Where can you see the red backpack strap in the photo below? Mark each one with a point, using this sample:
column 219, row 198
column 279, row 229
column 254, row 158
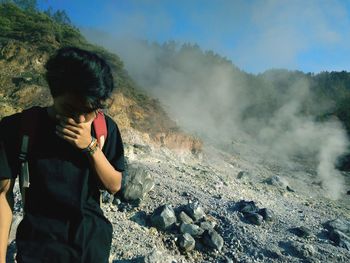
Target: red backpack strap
column 100, row 128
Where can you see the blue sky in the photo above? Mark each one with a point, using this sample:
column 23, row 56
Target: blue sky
column 255, row 35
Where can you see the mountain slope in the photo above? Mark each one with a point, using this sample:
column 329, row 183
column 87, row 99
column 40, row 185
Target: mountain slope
column 27, row 39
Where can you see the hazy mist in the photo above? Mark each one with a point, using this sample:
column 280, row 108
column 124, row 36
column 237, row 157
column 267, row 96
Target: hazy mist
column 211, row 100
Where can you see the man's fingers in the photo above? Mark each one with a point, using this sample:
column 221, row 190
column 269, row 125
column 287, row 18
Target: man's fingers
column 65, row 137
column 67, row 120
column 70, row 127
column 67, row 131
column 72, row 122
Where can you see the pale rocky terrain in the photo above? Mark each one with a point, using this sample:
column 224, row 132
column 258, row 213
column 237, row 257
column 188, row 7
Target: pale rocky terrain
column 210, row 178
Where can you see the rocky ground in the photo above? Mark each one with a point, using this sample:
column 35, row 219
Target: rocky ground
column 218, row 181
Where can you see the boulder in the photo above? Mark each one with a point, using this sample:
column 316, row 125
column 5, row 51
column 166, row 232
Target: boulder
column 184, row 218
column 213, row 240
column 277, row 181
column 254, row 218
column 107, row 198
column 267, row 214
column 339, row 232
column 137, row 182
column 243, row 174
column 207, row 225
column 340, row 239
column 163, row 217
column 186, row 242
column 247, row 207
column 156, row 256
column 301, row 231
column 341, row 225
column 195, row 211
column 191, row 229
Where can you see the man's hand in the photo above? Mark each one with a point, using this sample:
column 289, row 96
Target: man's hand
column 77, row 134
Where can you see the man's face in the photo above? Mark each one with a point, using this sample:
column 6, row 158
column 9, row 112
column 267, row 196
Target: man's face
column 73, row 106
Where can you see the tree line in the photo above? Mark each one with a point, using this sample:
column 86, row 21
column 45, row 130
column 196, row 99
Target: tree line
column 59, row 16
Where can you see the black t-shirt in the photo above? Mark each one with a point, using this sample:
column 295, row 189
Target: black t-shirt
column 63, row 221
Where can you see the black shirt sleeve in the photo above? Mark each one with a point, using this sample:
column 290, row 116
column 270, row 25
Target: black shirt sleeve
column 8, row 137
column 5, row 172
column 114, row 149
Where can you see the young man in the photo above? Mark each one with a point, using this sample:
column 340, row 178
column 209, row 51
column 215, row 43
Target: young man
column 63, row 221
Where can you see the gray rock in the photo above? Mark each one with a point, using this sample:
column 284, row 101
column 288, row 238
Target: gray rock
column 301, row 231
column 186, row 242
column 186, row 194
column 277, row 181
column 339, row 232
column 163, row 217
column 207, row 225
column 218, row 196
column 140, row 147
column 340, row 239
column 213, row 240
column 247, row 207
column 304, row 250
column 107, row 198
column 191, row 229
column 290, row 189
column 254, row 218
column 273, row 252
column 195, row 211
column 267, row 214
column 242, row 174
column 340, row 225
column 116, row 201
column 184, row 218
column 136, row 183
column 156, row 256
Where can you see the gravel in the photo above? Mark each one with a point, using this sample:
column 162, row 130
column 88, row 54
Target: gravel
column 211, row 181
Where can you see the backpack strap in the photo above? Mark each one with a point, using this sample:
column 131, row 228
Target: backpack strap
column 27, row 137
column 100, row 128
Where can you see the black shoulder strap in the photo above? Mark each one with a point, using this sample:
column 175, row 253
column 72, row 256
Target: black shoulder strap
column 28, row 126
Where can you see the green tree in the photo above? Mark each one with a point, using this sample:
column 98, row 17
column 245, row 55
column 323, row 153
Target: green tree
column 61, row 17
column 27, row 5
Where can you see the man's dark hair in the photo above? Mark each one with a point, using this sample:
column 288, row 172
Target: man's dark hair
column 81, row 72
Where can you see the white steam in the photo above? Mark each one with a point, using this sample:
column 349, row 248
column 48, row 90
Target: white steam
column 212, row 99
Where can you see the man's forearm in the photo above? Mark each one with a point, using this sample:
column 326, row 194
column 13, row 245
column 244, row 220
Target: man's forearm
column 5, row 223
column 110, row 177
